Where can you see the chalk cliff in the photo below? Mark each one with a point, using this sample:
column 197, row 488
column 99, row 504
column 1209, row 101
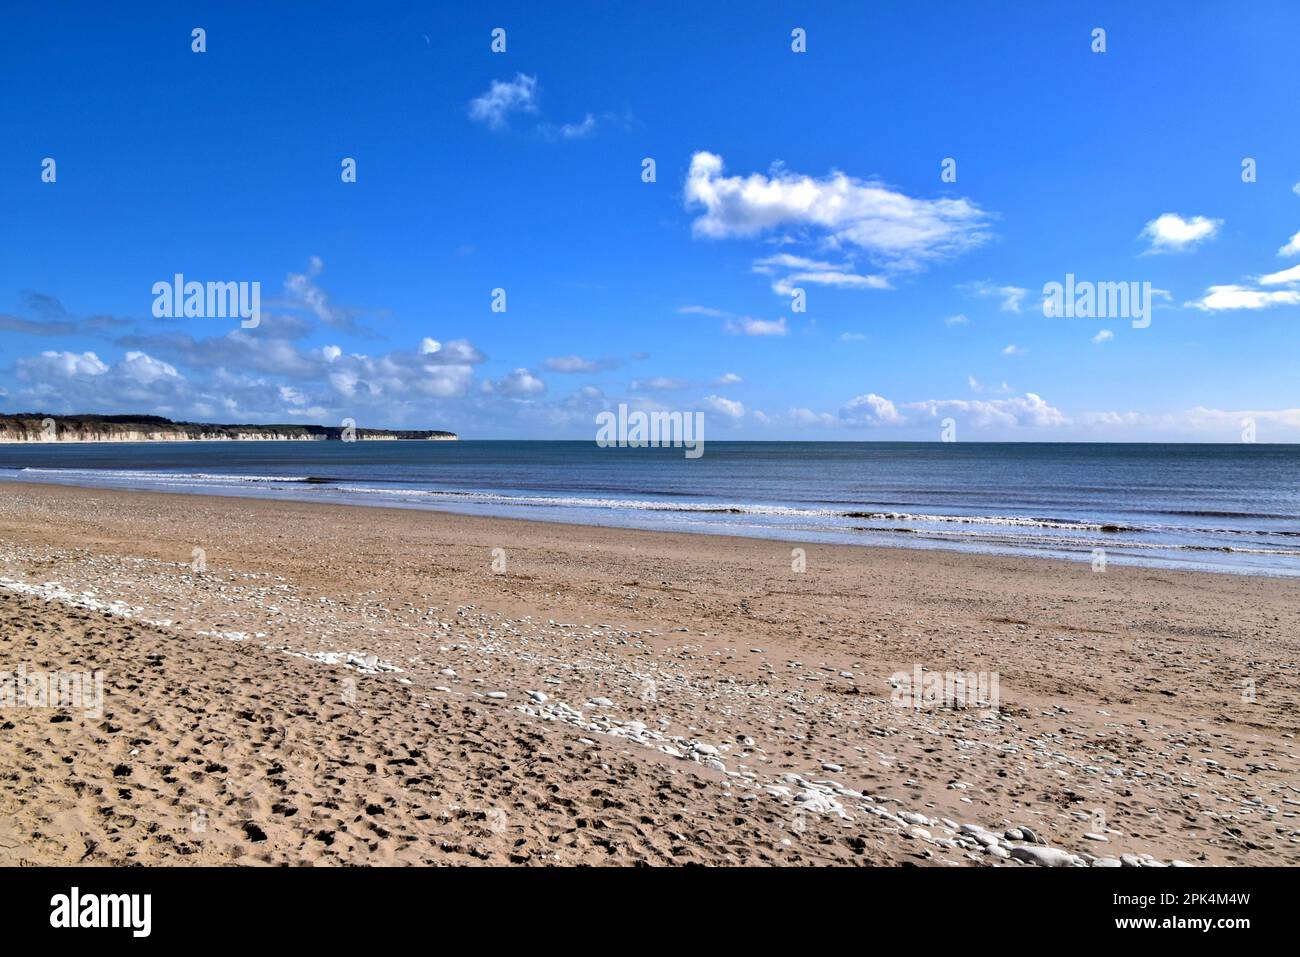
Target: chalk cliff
column 38, row 427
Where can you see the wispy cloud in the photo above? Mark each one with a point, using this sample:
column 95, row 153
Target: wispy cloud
column 54, row 320
column 304, row 292
column 575, row 131
column 1010, row 297
column 659, row 384
column 800, row 270
column 37, row 327
column 977, row 386
column 573, row 364
column 702, row 311
column 748, row 326
column 493, row 107
column 504, row 99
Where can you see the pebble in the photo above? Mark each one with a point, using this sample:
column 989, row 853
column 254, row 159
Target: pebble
column 1044, row 856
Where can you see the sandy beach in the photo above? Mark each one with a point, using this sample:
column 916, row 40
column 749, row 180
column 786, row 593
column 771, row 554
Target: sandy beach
column 348, row 685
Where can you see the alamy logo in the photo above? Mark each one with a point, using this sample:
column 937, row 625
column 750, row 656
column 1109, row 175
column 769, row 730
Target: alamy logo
column 179, row 299
column 134, row 911
column 945, row 689
column 75, row 690
column 1098, row 300
column 659, row 429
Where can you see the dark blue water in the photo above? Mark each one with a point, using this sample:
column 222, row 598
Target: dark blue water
column 1223, row 507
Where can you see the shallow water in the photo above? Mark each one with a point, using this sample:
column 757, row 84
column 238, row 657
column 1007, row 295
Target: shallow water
column 1218, row 507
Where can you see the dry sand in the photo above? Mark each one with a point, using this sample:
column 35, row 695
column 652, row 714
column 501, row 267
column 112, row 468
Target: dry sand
column 619, row 696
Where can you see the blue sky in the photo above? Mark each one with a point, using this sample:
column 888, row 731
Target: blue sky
column 774, row 169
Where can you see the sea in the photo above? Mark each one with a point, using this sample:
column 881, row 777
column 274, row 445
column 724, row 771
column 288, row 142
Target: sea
column 1225, row 508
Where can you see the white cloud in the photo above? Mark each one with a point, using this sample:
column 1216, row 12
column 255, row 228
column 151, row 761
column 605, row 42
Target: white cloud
column 517, row 384
column 872, row 409
column 266, row 375
column 344, row 383
column 1105, row 335
column 1292, row 247
column 957, row 320
column 396, row 381
column 1028, row 410
column 1284, row 278
column 1024, row 411
column 1012, row 296
column 851, row 337
column 1013, row 350
column 81, row 382
column 897, row 229
column 1031, row 413
column 460, row 351
column 1235, row 296
column 727, row 378
column 728, row 407
column 1230, row 297
column 399, row 377
column 61, row 364
column 146, row 370
column 1170, row 232
column 747, row 326
column 702, row 311
column 502, row 98
column 1199, row 422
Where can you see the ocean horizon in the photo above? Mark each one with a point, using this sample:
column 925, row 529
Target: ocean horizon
column 1215, row 507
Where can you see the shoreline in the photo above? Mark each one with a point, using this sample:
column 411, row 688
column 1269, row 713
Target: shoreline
column 769, row 698
column 820, row 538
